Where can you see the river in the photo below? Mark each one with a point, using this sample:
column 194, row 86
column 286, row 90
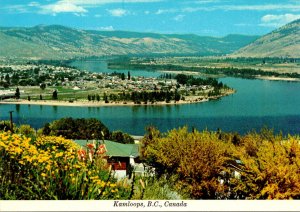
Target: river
column 256, row 104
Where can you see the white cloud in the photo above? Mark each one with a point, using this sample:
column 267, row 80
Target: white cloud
column 278, row 20
column 97, row 16
column 34, row 4
column 107, row 28
column 147, row 12
column 16, row 9
column 100, row 2
column 206, row 1
column 162, row 11
column 62, row 7
column 179, row 17
column 80, row 6
column 264, row 7
column 118, row 12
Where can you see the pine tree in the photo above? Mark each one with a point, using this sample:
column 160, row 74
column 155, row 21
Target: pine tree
column 54, row 95
column 17, row 94
column 129, row 75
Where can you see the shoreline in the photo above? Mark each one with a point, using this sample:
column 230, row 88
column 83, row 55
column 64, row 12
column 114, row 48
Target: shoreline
column 270, row 78
column 103, row 104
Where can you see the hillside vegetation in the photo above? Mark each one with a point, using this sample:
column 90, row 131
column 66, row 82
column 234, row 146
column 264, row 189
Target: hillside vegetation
column 59, row 42
column 283, row 42
column 188, row 165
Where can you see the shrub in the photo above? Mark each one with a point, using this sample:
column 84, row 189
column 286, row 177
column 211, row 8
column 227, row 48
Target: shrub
column 52, row 168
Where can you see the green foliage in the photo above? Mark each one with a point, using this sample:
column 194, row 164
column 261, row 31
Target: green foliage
column 54, row 95
column 43, row 86
column 121, row 137
column 216, row 165
column 144, row 96
column 248, row 73
column 270, row 167
column 197, row 158
column 52, row 168
column 77, row 129
column 17, row 94
column 5, row 126
column 26, row 130
column 31, row 42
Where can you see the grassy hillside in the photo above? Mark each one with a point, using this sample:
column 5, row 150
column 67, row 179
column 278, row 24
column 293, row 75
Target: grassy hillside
column 58, row 42
column 283, row 42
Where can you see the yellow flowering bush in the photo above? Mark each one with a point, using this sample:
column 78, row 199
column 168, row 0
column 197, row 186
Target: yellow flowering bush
column 49, row 168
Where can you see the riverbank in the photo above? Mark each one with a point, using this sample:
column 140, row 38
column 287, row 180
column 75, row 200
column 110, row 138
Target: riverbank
column 271, row 78
column 82, row 103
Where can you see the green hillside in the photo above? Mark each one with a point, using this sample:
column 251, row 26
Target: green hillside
column 283, row 42
column 59, row 42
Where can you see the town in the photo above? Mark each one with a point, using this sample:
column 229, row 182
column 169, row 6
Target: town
column 35, row 82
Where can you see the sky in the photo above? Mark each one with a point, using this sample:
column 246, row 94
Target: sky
column 202, row 17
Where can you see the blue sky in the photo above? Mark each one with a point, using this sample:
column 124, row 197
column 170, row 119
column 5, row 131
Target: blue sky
column 202, row 17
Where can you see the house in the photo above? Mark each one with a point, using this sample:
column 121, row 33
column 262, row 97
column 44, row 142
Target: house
column 123, row 158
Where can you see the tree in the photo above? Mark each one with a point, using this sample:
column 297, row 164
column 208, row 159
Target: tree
column 15, row 78
column 43, row 86
column 123, row 76
column 97, row 97
column 41, row 97
column 46, row 129
column 17, row 93
column 105, row 98
column 177, row 96
column 270, row 167
column 54, row 95
column 7, row 78
column 28, row 98
column 78, row 129
column 121, row 137
column 128, row 75
column 196, row 158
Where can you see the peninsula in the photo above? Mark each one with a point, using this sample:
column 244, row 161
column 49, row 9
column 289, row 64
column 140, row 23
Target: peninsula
column 42, row 84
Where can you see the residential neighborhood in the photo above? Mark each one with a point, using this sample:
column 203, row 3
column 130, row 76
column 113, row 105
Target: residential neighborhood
column 39, row 81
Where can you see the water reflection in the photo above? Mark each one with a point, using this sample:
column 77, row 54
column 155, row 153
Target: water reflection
column 17, row 108
column 256, row 104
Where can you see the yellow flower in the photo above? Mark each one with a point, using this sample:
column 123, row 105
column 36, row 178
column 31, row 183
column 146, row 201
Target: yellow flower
column 59, row 154
column 48, row 167
column 21, row 162
column 43, row 175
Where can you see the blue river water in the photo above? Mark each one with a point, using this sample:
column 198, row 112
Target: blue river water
column 256, row 104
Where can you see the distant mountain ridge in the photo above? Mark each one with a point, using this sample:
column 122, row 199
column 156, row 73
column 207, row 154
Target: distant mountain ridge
column 282, row 42
column 60, row 42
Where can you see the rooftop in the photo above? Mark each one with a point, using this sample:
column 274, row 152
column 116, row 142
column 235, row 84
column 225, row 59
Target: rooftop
column 115, row 149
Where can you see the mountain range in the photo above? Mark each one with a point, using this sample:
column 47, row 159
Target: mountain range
column 283, row 42
column 60, row 42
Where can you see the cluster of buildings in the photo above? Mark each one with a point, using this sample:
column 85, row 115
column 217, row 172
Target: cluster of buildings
column 35, row 75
